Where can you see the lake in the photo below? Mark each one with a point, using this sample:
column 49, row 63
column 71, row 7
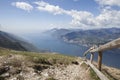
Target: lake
column 53, row 44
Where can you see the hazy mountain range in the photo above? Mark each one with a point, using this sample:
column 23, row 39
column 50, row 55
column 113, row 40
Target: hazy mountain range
column 10, row 41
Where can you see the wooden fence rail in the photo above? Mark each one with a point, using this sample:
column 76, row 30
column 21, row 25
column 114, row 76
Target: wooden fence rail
column 110, row 45
column 99, row 74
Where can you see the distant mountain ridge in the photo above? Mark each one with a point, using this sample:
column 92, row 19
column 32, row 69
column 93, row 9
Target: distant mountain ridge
column 11, row 41
column 59, row 32
column 88, row 37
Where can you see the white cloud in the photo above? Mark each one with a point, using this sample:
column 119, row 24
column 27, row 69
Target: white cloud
column 43, row 6
column 81, row 18
column 107, row 17
column 78, row 16
column 109, row 2
column 23, row 5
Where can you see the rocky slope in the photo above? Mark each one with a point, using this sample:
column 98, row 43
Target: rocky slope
column 18, row 65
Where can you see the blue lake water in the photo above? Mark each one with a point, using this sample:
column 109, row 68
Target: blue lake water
column 53, row 44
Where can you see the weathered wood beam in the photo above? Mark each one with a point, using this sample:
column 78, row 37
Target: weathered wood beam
column 99, row 60
column 99, row 74
column 91, row 57
column 107, row 46
column 91, row 48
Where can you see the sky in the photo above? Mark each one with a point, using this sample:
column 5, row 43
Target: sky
column 36, row 15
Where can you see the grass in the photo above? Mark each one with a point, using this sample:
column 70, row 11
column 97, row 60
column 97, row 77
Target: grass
column 42, row 58
column 108, row 75
column 93, row 75
column 85, row 66
column 2, row 78
column 51, row 78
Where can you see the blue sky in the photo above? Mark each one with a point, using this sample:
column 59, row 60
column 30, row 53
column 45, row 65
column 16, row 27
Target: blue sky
column 37, row 15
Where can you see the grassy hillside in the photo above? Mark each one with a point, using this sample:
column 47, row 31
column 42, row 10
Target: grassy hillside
column 14, row 63
column 43, row 58
column 22, row 65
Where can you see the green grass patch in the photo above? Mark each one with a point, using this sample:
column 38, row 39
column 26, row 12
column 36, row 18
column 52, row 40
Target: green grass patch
column 42, row 58
column 83, row 65
column 110, row 77
column 93, row 75
column 51, row 78
column 2, row 78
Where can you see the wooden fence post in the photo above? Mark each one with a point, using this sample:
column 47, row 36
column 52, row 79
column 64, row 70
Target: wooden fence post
column 91, row 57
column 99, row 60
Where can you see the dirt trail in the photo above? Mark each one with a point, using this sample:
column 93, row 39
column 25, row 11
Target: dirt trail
column 71, row 72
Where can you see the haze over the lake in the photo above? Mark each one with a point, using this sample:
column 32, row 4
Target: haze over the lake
column 38, row 15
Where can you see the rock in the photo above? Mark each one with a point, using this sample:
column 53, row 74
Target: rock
column 75, row 62
column 45, row 74
column 15, row 71
column 39, row 67
column 20, row 77
column 4, row 69
column 5, row 75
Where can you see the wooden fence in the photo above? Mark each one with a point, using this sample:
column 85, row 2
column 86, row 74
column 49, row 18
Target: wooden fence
column 110, row 45
column 101, row 48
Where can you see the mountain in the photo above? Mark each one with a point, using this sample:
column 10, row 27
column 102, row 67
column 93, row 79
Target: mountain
column 8, row 40
column 91, row 37
column 59, row 32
